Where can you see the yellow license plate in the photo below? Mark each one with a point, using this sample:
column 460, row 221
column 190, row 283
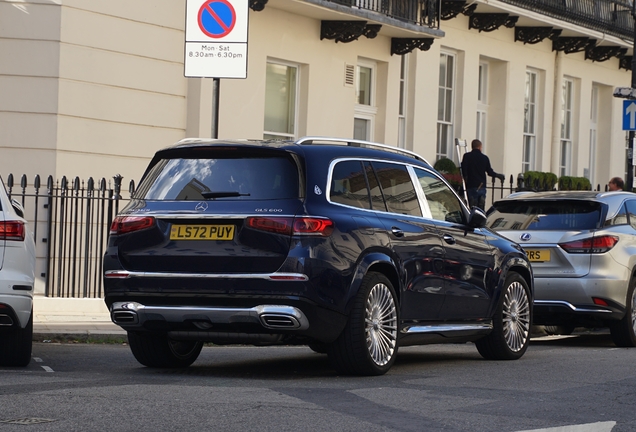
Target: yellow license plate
column 538, row 255
column 202, row 232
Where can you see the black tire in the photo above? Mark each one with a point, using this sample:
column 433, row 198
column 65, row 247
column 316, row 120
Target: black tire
column 511, row 323
column 368, row 343
column 157, row 350
column 15, row 345
column 559, row 330
column 318, row 347
column 624, row 331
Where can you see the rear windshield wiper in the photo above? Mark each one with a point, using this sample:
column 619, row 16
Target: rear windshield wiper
column 214, row 195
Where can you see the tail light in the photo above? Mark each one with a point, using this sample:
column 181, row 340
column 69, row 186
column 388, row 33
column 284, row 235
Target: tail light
column 290, row 226
column 126, row 224
column 594, row 245
column 12, row 230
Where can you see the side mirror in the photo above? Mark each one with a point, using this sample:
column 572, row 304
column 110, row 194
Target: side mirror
column 18, row 208
column 477, row 218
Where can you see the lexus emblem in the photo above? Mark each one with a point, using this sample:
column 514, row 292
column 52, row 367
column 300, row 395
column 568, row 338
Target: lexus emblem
column 202, row 206
column 525, row 236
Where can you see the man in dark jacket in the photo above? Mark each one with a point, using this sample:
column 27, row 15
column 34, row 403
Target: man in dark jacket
column 475, row 166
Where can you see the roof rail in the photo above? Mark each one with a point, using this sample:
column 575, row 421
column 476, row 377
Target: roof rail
column 359, row 143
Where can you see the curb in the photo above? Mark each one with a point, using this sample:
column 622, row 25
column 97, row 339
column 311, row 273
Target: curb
column 86, row 337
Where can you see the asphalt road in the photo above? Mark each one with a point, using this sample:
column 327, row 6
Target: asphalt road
column 576, row 384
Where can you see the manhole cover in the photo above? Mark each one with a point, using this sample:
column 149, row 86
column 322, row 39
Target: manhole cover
column 28, row 421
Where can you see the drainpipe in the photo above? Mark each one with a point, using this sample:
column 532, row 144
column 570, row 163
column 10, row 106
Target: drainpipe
column 555, row 154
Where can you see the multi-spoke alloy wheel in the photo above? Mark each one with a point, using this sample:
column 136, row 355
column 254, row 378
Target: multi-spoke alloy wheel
column 516, row 316
column 368, row 344
column 624, row 331
column 381, row 324
column 511, row 322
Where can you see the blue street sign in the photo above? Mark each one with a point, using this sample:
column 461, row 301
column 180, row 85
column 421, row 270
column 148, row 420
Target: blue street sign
column 629, row 115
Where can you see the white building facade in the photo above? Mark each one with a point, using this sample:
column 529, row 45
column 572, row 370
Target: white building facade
column 95, row 87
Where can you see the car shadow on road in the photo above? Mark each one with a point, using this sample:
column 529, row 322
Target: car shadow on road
column 297, row 362
column 581, row 339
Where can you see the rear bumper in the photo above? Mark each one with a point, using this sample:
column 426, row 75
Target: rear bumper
column 262, row 320
column 274, row 317
column 561, row 299
column 17, row 310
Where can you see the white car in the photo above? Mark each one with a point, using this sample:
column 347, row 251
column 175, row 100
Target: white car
column 17, row 276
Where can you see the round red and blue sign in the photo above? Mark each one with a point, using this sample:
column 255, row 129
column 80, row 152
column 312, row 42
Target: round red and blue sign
column 216, row 18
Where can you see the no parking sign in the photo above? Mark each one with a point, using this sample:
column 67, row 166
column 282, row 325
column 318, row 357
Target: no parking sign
column 216, row 38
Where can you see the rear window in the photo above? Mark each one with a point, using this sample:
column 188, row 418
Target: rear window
column 545, row 215
column 258, row 178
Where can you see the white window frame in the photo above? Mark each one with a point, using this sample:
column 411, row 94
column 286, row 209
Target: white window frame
column 369, row 122
column 593, row 134
column 404, row 72
column 447, row 124
column 529, row 150
column 567, row 117
column 481, row 121
column 363, row 111
column 294, row 115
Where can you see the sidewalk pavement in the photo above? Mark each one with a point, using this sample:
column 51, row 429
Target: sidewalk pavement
column 72, row 318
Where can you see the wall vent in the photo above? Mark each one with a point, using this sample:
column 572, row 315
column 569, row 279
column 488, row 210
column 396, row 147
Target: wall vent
column 350, row 75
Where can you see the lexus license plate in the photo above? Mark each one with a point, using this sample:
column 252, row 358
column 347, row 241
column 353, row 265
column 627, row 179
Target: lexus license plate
column 538, row 255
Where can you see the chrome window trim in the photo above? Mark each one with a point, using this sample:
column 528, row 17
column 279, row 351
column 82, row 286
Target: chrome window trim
column 426, row 213
column 353, row 158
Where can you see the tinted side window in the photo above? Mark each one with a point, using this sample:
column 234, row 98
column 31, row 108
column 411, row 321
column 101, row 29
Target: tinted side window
column 631, row 211
column 349, row 185
column 397, row 188
column 377, row 199
column 442, row 202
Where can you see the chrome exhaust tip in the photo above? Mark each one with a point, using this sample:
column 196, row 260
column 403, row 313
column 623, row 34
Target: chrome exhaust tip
column 5, row 320
column 124, row 317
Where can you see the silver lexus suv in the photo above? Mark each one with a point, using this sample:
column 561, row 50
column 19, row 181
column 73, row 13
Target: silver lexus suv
column 582, row 246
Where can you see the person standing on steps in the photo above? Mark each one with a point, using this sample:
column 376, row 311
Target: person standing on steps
column 475, row 166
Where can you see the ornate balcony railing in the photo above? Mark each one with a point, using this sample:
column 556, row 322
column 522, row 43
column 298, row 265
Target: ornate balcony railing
column 612, row 17
column 418, row 12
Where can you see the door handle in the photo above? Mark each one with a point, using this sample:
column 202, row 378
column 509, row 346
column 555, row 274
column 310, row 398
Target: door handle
column 397, row 232
column 449, row 239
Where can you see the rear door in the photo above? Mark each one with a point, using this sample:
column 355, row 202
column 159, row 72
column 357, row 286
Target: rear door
column 214, row 213
column 414, row 239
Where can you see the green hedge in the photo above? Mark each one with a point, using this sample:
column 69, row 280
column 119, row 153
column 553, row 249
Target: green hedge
column 574, row 183
column 540, row 181
column 546, row 181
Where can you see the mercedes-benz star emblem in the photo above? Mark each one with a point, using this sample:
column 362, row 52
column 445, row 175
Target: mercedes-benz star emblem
column 525, row 236
column 202, row 206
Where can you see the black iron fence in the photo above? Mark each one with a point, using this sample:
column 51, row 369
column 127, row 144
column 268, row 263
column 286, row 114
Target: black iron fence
column 70, row 221
column 419, row 12
column 608, row 16
column 498, row 189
